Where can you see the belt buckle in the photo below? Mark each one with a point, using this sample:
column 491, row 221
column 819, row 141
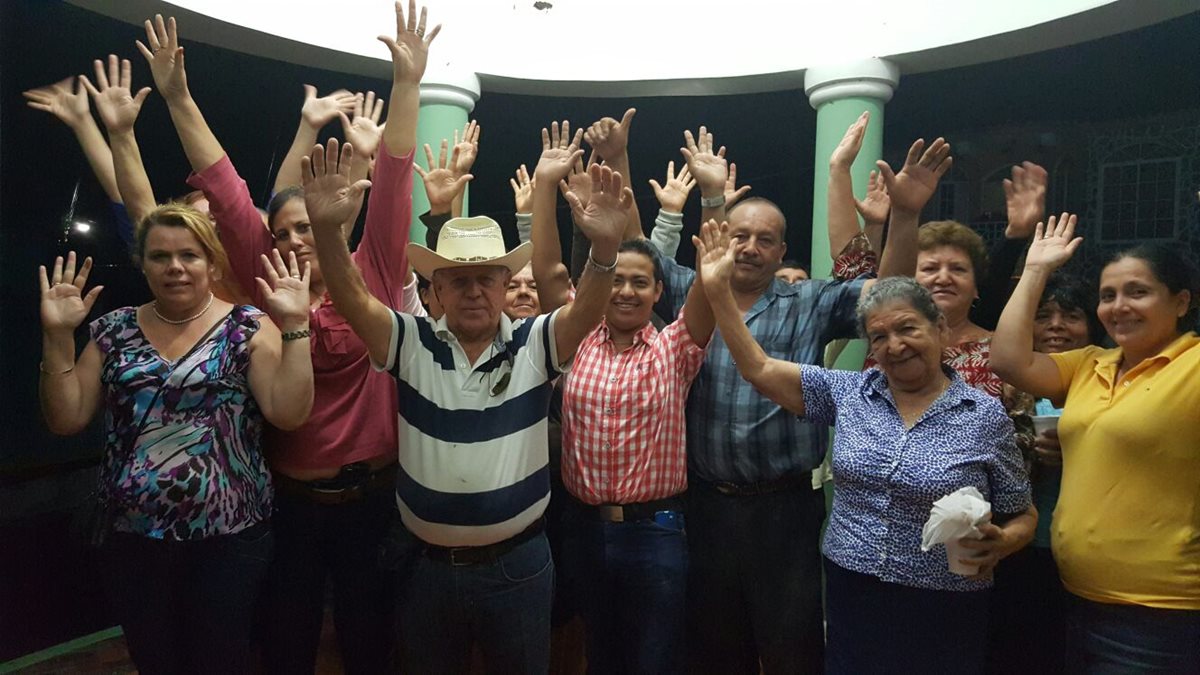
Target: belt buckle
column 455, row 562
column 611, row 513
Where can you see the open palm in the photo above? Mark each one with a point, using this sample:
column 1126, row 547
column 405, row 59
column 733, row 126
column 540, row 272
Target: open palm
column 64, row 306
column 61, row 100
column 1054, row 244
column 714, row 256
column 604, row 217
column 329, row 196
column 115, row 102
column 910, row 189
column 410, row 47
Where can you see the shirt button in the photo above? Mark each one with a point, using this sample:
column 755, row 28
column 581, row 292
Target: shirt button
column 607, row 446
column 613, row 378
column 610, row 411
column 1126, row 384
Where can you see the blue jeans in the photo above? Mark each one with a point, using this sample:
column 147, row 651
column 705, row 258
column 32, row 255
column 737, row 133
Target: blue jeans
column 187, row 606
column 754, row 582
column 630, row 580
column 339, row 543
column 503, row 606
column 1106, row 639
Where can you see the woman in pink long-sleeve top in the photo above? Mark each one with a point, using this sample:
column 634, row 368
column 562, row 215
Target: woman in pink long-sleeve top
column 334, row 475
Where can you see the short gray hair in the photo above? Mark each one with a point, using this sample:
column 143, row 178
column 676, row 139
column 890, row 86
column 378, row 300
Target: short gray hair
column 905, row 290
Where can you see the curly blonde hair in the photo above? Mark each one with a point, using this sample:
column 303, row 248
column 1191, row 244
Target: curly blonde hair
column 176, row 214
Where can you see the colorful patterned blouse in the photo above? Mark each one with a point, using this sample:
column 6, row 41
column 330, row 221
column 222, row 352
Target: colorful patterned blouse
column 194, row 467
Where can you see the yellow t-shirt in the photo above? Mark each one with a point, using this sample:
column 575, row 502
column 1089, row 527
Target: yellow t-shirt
column 1127, row 526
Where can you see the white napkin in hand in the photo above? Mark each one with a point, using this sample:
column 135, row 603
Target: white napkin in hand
column 956, row 516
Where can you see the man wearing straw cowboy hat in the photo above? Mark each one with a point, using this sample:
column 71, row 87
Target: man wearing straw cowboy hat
column 473, row 393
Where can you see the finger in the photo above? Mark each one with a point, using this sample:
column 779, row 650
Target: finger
column 293, row 265
column 318, row 161
column 944, row 167
column 357, row 107
column 82, row 277
column 269, row 268
column 126, row 74
column 563, row 187
column 627, row 118
column 429, row 158
column 688, row 154
column 429, row 36
column 592, row 158
column 690, row 143
column 377, row 111
column 889, row 177
column 626, row 198
column 43, row 279
column 671, row 170
column 657, row 188
column 421, row 23
column 87, row 84
column 344, row 159
column 304, row 276
column 420, row 172
column 151, row 39
column 741, row 192
column 461, row 182
column 442, row 153
column 411, row 25
column 309, row 91
column 68, row 275
column 554, row 134
column 516, row 188
column 914, row 152
column 545, row 139
column 57, row 275
column 306, row 176
column 114, row 70
column 146, row 53
column 263, row 289
column 576, row 142
column 101, row 75
column 172, row 33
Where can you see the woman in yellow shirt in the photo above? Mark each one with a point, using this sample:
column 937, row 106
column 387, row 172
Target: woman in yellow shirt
column 1126, row 532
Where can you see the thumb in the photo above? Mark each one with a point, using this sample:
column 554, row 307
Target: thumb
column 654, row 184
column 90, row 298
column 462, row 181
column 628, row 118
column 360, row 187
column 574, row 202
column 140, row 97
column 263, row 287
column 309, row 91
column 346, row 124
column 889, row 177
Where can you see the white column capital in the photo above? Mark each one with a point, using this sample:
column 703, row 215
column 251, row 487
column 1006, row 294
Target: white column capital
column 869, row 78
column 450, row 86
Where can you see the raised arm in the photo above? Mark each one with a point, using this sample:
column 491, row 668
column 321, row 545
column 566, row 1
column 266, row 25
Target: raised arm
column 315, row 113
column 410, row 53
column 908, row 191
column 69, row 390
column 522, row 187
column 843, row 221
column 603, row 220
column 777, row 380
column 119, row 109
column 708, row 166
column 165, row 57
column 329, row 197
column 672, row 197
column 363, row 130
column 1013, row 357
column 70, row 105
column 559, row 153
column 281, row 374
column 610, row 141
column 697, row 312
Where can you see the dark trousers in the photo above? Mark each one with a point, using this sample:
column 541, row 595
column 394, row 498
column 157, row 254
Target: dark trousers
column 754, row 582
column 340, row 543
column 503, row 606
column 187, row 606
column 1105, row 639
column 630, row 580
column 878, row 627
column 1028, row 615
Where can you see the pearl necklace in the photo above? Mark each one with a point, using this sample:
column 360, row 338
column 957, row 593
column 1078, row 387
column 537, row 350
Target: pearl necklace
column 180, row 322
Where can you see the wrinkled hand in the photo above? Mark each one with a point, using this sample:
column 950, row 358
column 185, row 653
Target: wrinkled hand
column 441, row 185
column 995, row 546
column 673, row 196
column 522, row 188
column 914, row 185
column 875, row 206
column 329, row 196
column 559, row 154
column 410, row 47
column 1048, row 449
column 64, row 306
column 118, row 107
column 1053, row 244
column 317, row 112
column 714, row 257
column 65, row 99
column 709, row 168
column 466, row 149
column 364, row 131
column 733, row 193
column 847, row 149
column 608, row 137
column 285, row 292
column 165, row 57
column 604, row 217
column 1025, row 197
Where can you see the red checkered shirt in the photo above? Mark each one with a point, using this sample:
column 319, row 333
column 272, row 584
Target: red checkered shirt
column 623, row 426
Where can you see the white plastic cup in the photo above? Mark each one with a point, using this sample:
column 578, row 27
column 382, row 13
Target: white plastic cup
column 954, row 551
column 1044, row 423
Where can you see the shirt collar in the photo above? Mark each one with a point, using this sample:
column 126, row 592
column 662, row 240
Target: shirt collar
column 875, row 384
column 1111, row 358
column 644, row 335
column 442, row 330
column 777, row 288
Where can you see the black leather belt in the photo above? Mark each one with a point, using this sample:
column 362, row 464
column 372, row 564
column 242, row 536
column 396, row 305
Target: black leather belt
column 787, row 482
column 352, row 483
column 622, row 513
column 479, row 555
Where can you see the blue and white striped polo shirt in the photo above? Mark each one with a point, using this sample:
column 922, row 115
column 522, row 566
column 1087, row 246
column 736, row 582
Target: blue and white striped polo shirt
column 473, row 455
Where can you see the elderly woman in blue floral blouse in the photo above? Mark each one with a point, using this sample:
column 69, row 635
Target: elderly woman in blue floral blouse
column 909, row 432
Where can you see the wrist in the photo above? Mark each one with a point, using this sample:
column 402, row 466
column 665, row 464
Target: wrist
column 439, row 209
column 293, row 324
column 604, row 254
column 714, row 201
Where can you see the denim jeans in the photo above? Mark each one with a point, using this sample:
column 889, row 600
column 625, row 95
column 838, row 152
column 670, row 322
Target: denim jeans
column 315, row 543
column 187, row 606
column 503, row 606
column 1107, row 639
column 630, row 580
column 754, row 582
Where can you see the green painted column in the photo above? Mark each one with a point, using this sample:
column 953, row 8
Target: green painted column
column 840, row 94
column 447, row 100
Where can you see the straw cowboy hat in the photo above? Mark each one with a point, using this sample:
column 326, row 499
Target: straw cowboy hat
column 468, row 242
